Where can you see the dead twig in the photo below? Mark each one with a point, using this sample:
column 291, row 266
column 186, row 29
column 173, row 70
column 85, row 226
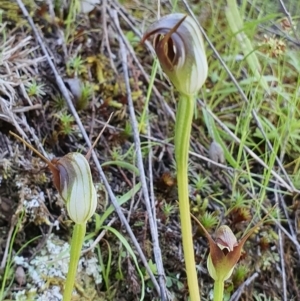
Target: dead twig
column 105, row 41
column 281, row 251
column 13, row 223
column 99, row 237
column 153, row 228
column 8, row 240
column 236, row 296
column 37, row 106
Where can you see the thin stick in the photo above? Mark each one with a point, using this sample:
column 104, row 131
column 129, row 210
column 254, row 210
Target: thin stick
column 157, row 252
column 33, row 149
column 236, row 296
column 99, row 237
column 88, row 155
column 281, row 251
column 140, row 164
column 37, row 106
column 8, row 240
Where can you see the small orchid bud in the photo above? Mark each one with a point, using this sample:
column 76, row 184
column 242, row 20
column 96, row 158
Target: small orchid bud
column 73, row 180
column 179, row 47
column 225, row 251
column 221, row 269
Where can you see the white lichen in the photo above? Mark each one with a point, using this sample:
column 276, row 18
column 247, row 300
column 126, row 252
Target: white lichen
column 48, row 270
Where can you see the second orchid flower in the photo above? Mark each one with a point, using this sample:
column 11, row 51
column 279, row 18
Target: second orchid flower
column 179, row 47
column 180, row 50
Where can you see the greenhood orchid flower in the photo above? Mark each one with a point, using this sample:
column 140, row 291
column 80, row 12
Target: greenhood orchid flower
column 74, row 183
column 180, row 50
column 225, row 250
column 73, row 180
column 220, row 267
column 179, row 47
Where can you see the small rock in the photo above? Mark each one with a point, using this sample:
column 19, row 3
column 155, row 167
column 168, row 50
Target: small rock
column 75, row 86
column 216, row 153
column 88, row 5
column 20, row 275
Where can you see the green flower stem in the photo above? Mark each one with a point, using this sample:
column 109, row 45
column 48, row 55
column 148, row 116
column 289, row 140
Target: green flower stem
column 218, row 290
column 183, row 126
column 76, row 245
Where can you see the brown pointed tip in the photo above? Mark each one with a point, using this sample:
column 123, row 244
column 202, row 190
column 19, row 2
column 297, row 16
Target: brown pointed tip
column 160, row 24
column 147, row 35
column 142, row 41
column 89, row 154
